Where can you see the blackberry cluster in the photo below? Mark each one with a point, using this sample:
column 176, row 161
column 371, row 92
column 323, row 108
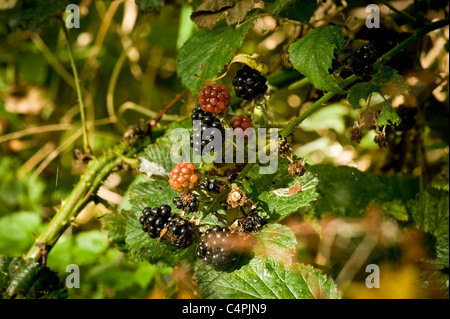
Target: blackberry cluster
column 206, row 121
column 154, row 220
column 211, row 185
column 180, row 232
column 249, row 83
column 253, row 223
column 363, row 59
column 183, row 177
column 217, row 247
column 214, row 98
column 335, row 64
column 187, row 202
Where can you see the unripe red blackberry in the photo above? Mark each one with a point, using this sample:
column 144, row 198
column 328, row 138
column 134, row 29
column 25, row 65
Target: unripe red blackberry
column 217, row 247
column 214, row 98
column 180, row 232
column 249, row 83
column 154, row 220
column 242, row 122
column 183, row 177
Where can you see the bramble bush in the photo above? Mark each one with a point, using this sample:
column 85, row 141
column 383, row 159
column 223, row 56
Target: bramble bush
column 94, row 173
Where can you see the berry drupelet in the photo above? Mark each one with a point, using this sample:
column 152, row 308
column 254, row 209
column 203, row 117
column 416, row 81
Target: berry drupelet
column 154, row 220
column 363, row 60
column 187, row 202
column 217, row 247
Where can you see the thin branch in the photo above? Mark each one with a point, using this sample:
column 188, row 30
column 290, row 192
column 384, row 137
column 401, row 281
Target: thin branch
column 87, row 149
column 167, row 107
column 37, row 130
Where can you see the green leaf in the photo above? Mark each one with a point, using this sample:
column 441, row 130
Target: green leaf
column 18, row 231
column 346, row 191
column 155, row 159
column 276, row 241
column 28, row 279
column 388, row 116
column 204, row 55
column 265, row 278
column 300, row 10
column 280, row 194
column 430, row 212
column 312, row 56
column 386, row 82
column 150, row 6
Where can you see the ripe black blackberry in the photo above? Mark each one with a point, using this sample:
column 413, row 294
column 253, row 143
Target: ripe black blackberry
column 249, row 83
column 187, row 202
column 180, row 232
column 363, row 59
column 252, row 223
column 207, row 120
column 217, row 247
column 211, row 185
column 335, row 64
column 153, row 220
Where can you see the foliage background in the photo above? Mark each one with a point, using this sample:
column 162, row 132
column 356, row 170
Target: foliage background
column 127, row 57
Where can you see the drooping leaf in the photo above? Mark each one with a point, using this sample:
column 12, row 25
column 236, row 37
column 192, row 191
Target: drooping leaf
column 430, row 212
column 265, row 278
column 386, row 82
column 312, row 56
column 28, row 279
column 299, row 10
column 210, row 11
column 204, row 53
column 388, row 116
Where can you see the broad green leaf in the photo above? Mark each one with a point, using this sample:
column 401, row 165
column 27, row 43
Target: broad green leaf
column 280, row 194
column 386, row 82
column 312, row 56
column 265, row 278
column 150, row 6
column 300, row 10
column 28, row 279
column 206, row 52
column 346, row 191
column 88, row 246
column 115, row 225
column 388, row 116
column 430, row 212
column 156, row 159
column 18, row 231
column 276, row 241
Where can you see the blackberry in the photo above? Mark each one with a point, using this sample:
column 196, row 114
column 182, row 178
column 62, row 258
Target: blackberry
column 154, row 220
column 242, row 122
column 249, row 83
column 214, row 98
column 206, row 121
column 283, row 146
column 183, row 177
column 335, row 64
column 180, row 232
column 187, row 202
column 363, row 59
column 211, row 185
column 253, row 223
column 217, row 247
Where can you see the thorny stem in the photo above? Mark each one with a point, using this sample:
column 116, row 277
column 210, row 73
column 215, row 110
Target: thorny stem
column 87, row 149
